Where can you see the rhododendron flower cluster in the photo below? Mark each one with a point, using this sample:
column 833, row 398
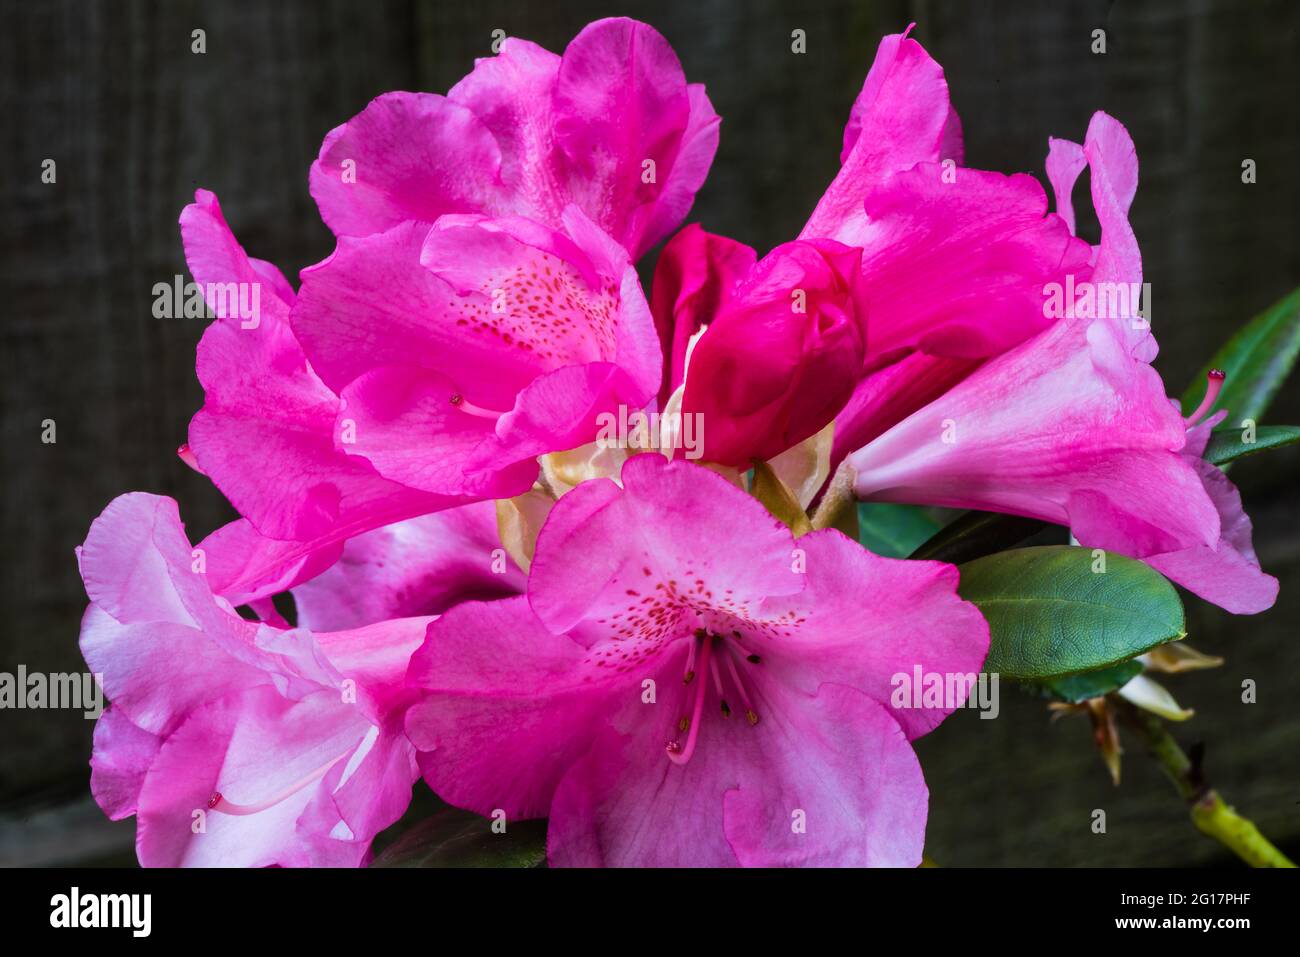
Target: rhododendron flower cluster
column 675, row 661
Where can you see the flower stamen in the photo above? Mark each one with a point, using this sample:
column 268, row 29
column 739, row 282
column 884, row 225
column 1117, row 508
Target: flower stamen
column 1213, row 383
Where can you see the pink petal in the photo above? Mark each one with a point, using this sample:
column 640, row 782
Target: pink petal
column 834, row 764
column 885, row 397
column 694, row 277
column 423, row 566
column 665, row 529
column 916, row 620
column 250, row 748
column 391, row 404
column 901, row 117
column 122, row 755
column 772, row 370
column 264, row 403
column 1065, row 161
column 509, row 706
column 958, row 269
column 852, row 781
column 406, row 156
column 511, row 95
column 621, row 99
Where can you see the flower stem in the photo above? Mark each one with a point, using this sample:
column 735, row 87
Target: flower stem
column 1211, row 815
column 838, row 499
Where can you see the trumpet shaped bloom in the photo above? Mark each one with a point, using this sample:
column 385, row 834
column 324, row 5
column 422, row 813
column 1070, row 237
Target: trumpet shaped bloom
column 687, row 684
column 1074, row 426
column 233, row 742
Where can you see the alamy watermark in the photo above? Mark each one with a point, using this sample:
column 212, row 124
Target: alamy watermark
column 652, row 430
column 179, row 299
column 1098, row 300
column 946, row 690
column 36, row 690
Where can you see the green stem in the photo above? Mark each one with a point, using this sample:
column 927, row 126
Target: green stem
column 838, row 500
column 1211, row 815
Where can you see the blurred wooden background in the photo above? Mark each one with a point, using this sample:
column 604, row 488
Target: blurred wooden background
column 135, row 121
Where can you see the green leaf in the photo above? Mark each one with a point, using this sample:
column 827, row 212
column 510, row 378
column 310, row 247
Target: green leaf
column 977, row 534
column 1050, row 614
column 1256, row 360
column 893, row 531
column 454, row 838
column 1226, row 445
column 1093, row 684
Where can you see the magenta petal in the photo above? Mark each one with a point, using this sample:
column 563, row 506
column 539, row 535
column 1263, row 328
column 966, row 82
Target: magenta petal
column 783, row 355
column 917, row 620
column 509, row 707
column 406, row 156
column 264, row 403
column 901, row 117
column 373, row 304
column 621, row 100
column 1113, row 168
column 665, row 526
column 511, row 95
column 694, row 277
column 390, row 404
column 250, row 748
column 849, row 794
column 1225, row 571
column 958, row 268
column 422, row 566
column 245, row 566
column 122, row 755
column 1065, row 161
column 885, row 397
column 690, row 168
column 834, row 765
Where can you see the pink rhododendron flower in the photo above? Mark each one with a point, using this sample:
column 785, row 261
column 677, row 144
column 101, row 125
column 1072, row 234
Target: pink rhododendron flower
column 265, row 435
column 481, row 297
column 233, row 742
column 781, row 355
column 684, row 680
column 952, row 266
column 953, row 259
column 611, row 126
column 1074, row 427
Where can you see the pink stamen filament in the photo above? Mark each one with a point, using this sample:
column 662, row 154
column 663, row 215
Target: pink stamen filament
column 750, row 713
column 460, row 402
column 677, row 753
column 219, row 803
column 1213, row 383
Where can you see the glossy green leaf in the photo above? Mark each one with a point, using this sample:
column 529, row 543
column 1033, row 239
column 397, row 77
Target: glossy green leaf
column 454, row 838
column 1092, row 684
column 1227, row 445
column 893, row 531
column 977, row 534
column 1255, row 361
column 1051, row 614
